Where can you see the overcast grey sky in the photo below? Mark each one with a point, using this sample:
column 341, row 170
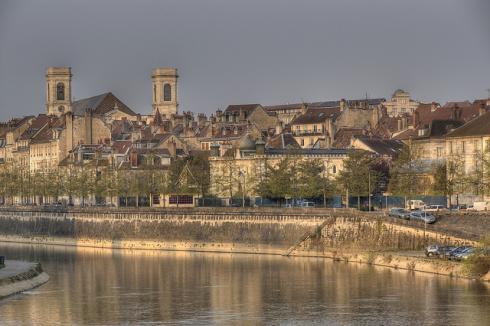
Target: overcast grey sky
column 253, row 51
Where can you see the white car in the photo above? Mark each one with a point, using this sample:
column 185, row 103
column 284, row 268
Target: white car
column 307, row 204
column 434, row 208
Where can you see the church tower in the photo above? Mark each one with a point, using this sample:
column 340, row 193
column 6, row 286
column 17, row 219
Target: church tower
column 164, row 82
column 58, row 90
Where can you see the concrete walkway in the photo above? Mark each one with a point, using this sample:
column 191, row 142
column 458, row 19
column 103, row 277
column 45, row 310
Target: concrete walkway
column 18, row 276
column 15, row 267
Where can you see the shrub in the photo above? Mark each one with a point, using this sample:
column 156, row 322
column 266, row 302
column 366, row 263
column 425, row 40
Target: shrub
column 477, row 265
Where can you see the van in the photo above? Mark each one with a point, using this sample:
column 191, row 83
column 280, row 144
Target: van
column 414, row 204
column 481, row 206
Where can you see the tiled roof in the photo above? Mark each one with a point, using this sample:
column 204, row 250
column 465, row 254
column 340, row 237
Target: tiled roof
column 307, row 151
column 439, row 128
column 316, row 115
column 406, row 134
column 344, row 135
column 35, row 126
column 100, row 104
column 387, row 147
column 241, row 107
column 122, row 146
column 477, row 127
column 283, row 140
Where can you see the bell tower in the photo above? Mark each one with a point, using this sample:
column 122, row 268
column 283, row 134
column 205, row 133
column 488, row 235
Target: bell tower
column 58, row 90
column 164, row 91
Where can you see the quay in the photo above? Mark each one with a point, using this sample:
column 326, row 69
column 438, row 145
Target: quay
column 18, row 276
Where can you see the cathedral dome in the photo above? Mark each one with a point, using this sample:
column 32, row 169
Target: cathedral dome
column 399, row 92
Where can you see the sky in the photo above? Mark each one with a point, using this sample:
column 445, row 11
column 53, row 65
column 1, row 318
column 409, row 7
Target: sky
column 253, row 51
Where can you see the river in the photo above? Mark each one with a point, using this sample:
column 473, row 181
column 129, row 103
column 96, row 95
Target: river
column 109, row 287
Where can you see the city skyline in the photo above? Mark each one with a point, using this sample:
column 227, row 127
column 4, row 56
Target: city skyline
column 241, row 53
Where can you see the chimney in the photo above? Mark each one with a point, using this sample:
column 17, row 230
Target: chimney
column 278, row 128
column 133, row 158
column 433, row 106
column 260, row 147
column 415, row 119
column 482, row 109
column 88, row 126
column 343, row 105
column 304, row 107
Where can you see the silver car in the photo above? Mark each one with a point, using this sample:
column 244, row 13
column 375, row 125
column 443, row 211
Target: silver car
column 423, row 216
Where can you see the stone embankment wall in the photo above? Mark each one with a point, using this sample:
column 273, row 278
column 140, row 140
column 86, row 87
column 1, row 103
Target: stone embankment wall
column 342, row 228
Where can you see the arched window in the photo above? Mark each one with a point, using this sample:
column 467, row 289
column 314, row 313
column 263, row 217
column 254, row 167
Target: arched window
column 334, row 169
column 167, row 93
column 154, row 93
column 60, row 92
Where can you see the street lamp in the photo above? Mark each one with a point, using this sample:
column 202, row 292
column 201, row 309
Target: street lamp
column 369, row 190
column 242, row 173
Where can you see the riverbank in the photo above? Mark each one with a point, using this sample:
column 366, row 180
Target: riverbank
column 19, row 276
column 409, row 261
column 362, row 238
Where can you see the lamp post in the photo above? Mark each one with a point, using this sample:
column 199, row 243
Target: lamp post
column 369, row 190
column 242, row 173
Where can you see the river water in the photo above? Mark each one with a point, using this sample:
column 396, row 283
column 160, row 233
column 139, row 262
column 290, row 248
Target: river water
column 112, row 287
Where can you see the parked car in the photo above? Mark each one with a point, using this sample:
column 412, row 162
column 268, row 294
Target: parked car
column 438, row 251
column 415, row 204
column 422, row 216
column 464, row 254
column 399, row 213
column 307, row 204
column 452, row 255
column 459, row 207
column 434, row 208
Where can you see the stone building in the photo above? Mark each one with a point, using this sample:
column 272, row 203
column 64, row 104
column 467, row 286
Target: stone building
column 400, row 104
column 240, row 168
column 164, row 82
column 315, row 124
column 58, row 90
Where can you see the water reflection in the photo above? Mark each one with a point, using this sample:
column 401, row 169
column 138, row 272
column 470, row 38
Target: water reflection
column 101, row 286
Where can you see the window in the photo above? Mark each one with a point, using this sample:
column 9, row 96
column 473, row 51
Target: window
column 167, row 93
column 475, row 146
column 302, row 142
column 154, row 93
column 439, row 151
column 334, row 169
column 315, row 129
column 60, row 92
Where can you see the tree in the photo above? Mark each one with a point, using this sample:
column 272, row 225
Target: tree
column 277, row 180
column 456, row 178
column 406, row 174
column 227, row 176
column 359, row 176
column 200, row 169
column 309, row 178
